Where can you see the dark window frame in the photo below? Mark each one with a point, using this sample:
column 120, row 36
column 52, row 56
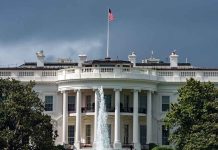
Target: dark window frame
column 49, row 102
column 165, row 105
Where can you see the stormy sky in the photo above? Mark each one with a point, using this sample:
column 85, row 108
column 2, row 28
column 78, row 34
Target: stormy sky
column 66, row 28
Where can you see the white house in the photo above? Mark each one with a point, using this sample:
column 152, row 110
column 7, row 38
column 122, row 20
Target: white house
column 137, row 96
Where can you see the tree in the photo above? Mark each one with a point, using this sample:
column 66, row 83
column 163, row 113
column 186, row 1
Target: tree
column 23, row 125
column 194, row 119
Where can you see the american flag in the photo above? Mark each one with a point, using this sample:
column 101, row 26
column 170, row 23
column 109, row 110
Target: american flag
column 110, row 15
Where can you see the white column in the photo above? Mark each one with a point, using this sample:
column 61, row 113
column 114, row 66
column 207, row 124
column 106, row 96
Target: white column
column 65, row 117
column 78, row 119
column 149, row 118
column 117, row 144
column 96, row 117
column 136, row 142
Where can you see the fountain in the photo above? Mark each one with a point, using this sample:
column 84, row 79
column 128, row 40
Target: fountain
column 102, row 139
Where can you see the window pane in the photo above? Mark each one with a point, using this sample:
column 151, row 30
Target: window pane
column 88, row 102
column 126, row 101
column 142, row 103
column 48, row 103
column 71, row 135
column 71, row 103
column 165, row 103
column 165, row 99
column 88, row 134
column 107, row 101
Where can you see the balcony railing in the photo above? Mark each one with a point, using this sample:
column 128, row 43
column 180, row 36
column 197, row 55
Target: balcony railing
column 106, row 72
column 128, row 145
column 126, row 109
column 142, row 110
column 71, row 109
column 111, row 72
column 85, row 145
column 110, row 109
column 87, row 109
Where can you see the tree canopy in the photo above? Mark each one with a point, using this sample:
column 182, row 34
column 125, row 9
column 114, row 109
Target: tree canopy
column 23, row 125
column 194, row 119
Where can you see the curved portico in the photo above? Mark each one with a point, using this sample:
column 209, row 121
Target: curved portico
column 123, row 102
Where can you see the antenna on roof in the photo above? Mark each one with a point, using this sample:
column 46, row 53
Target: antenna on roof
column 186, row 60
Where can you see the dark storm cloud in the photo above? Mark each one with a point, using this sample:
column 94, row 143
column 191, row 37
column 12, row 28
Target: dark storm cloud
column 67, row 28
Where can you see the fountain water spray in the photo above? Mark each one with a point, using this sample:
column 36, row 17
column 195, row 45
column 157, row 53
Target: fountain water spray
column 102, row 139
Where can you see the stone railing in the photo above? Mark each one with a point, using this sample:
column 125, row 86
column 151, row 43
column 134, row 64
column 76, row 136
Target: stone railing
column 27, row 75
column 181, row 76
column 111, row 73
column 107, row 73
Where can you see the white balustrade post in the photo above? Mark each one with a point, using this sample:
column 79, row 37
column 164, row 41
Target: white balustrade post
column 78, row 118
column 117, row 143
column 149, row 117
column 136, row 142
column 65, row 117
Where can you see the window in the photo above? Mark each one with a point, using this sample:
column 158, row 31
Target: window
column 71, row 103
column 88, row 134
column 48, row 103
column 142, row 103
column 165, row 103
column 108, row 102
column 143, row 132
column 71, row 134
column 126, row 101
column 165, row 135
column 124, row 107
column 88, row 102
column 126, row 134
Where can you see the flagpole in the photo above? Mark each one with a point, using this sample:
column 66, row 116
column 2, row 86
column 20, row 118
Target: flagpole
column 108, row 36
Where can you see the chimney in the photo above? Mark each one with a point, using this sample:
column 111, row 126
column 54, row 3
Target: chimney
column 40, row 58
column 132, row 59
column 82, row 59
column 174, row 59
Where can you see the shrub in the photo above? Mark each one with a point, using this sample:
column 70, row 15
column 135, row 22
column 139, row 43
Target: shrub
column 152, row 145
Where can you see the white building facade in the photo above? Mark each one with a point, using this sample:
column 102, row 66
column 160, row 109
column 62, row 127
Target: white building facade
column 137, row 96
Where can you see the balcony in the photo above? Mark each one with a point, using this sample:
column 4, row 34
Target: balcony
column 108, row 109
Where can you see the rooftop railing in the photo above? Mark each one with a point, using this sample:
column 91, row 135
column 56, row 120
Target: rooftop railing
column 111, row 73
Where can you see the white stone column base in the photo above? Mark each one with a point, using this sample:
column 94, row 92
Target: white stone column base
column 117, row 145
column 137, row 146
column 77, row 145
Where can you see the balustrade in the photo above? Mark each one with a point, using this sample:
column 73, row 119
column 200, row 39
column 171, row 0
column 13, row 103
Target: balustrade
column 111, row 72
